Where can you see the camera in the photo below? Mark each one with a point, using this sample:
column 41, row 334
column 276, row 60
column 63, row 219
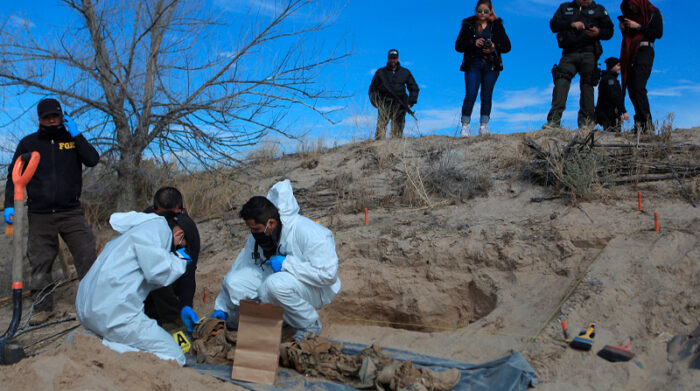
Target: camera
column 488, row 43
column 590, row 26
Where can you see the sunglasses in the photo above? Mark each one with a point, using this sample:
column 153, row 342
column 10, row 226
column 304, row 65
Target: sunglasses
column 483, row 11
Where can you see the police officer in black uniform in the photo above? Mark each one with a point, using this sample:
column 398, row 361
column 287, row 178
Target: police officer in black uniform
column 387, row 93
column 610, row 111
column 580, row 25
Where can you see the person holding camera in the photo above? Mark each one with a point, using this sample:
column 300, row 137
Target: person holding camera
column 482, row 39
column 641, row 24
column 580, row 25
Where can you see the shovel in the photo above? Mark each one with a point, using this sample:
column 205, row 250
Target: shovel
column 10, row 350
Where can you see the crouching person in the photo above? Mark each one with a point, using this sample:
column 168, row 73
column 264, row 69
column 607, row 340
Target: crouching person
column 147, row 254
column 288, row 260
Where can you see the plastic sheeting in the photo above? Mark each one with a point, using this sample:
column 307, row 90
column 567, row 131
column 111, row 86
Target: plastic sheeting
column 510, row 373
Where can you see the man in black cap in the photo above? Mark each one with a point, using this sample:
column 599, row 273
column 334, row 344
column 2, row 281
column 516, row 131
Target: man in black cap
column 53, row 200
column 610, row 111
column 175, row 301
column 580, row 25
column 387, row 93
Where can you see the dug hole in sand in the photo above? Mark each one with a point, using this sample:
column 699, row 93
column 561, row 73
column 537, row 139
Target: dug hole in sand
column 470, row 277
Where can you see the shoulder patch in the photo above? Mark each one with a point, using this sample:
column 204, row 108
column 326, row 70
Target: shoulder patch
column 611, row 82
column 605, row 12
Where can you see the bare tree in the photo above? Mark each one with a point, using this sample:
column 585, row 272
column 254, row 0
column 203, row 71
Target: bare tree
column 160, row 78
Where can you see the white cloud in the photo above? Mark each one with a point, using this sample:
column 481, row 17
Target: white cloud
column 678, row 90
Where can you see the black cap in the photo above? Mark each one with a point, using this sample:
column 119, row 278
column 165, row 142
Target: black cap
column 611, row 62
column 47, row 107
column 393, row 53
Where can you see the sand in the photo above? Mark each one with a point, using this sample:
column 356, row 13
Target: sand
column 470, row 280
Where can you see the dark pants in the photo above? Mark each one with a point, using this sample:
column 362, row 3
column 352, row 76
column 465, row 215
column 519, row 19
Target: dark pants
column 637, row 87
column 388, row 110
column 583, row 63
column 163, row 305
column 42, row 248
column 478, row 75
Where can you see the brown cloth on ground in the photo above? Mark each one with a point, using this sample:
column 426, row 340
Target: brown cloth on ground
column 212, row 343
column 370, row 369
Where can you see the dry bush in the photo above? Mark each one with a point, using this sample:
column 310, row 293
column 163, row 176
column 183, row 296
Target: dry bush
column 583, row 174
column 309, row 151
column 447, row 177
column 665, row 129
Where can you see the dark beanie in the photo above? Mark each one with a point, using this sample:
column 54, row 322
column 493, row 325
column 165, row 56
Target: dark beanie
column 611, row 62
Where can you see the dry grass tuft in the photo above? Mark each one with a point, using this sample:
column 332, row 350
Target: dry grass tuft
column 447, row 177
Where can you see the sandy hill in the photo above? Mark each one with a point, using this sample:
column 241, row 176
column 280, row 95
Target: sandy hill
column 466, row 256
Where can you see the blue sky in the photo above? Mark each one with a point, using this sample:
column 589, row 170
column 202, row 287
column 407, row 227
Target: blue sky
column 424, row 33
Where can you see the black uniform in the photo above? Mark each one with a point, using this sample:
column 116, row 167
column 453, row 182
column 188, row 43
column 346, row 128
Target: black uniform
column 639, row 71
column 580, row 54
column 164, row 304
column 387, row 93
column 53, row 201
column 466, row 43
column 611, row 102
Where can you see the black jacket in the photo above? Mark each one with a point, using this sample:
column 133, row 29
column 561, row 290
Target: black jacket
column 185, row 286
column 466, row 43
column 572, row 40
column 396, row 81
column 611, row 102
column 58, row 181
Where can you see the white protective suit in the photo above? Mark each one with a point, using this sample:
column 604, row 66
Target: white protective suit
column 308, row 279
column 110, row 297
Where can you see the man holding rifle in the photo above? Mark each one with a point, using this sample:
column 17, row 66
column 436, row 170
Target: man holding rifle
column 387, row 92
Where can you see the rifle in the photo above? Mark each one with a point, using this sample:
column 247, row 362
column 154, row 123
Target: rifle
column 396, row 97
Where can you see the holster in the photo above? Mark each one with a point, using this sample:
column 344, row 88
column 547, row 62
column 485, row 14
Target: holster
column 558, row 73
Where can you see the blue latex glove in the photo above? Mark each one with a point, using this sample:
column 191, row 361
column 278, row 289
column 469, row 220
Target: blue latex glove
column 9, row 214
column 218, row 314
column 183, row 254
column 189, row 318
column 276, row 262
column 70, row 125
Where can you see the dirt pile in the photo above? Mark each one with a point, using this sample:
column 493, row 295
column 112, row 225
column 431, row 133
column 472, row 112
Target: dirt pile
column 463, row 257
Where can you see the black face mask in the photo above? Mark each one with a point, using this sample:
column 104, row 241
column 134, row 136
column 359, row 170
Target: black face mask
column 268, row 243
column 52, row 131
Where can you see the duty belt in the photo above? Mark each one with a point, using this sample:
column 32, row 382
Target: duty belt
column 646, row 43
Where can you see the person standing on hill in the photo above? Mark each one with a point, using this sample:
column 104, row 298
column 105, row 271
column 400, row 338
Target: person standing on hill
column 482, row 39
column 641, row 24
column 610, row 111
column 387, row 93
column 288, row 260
column 580, row 25
column 175, row 301
column 53, row 200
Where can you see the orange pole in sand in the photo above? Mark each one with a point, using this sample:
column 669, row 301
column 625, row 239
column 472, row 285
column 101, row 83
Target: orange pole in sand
column 639, row 200
column 205, row 297
column 366, row 221
column 656, row 222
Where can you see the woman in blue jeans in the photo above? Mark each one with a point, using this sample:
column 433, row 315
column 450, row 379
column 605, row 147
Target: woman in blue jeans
column 482, row 39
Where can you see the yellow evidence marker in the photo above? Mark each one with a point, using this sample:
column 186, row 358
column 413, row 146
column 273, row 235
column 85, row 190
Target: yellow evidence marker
column 182, row 340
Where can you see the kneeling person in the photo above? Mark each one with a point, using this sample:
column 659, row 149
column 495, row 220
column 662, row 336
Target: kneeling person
column 143, row 257
column 298, row 267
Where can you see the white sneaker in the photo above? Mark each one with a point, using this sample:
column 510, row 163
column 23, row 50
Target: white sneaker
column 482, row 130
column 465, row 131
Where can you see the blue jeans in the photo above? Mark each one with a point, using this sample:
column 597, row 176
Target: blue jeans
column 478, row 74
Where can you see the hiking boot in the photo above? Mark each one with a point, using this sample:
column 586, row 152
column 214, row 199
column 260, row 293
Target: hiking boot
column 314, row 329
column 40, row 317
column 551, row 126
column 464, row 132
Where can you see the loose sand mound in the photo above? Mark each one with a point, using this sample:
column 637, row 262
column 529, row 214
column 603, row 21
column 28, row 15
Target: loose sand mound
column 457, row 261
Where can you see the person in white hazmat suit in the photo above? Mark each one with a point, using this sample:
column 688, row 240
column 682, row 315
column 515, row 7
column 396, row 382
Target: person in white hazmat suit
column 298, row 267
column 143, row 257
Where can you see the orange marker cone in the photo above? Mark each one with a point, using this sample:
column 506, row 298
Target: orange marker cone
column 656, row 222
column 639, row 200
